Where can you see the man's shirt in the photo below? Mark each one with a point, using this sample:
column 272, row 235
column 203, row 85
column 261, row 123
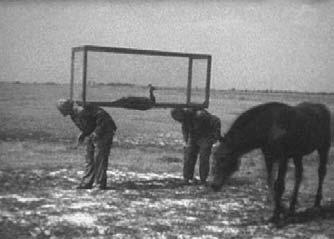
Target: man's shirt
column 91, row 119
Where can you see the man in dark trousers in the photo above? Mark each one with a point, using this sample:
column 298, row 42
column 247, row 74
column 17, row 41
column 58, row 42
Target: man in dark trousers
column 200, row 131
column 99, row 128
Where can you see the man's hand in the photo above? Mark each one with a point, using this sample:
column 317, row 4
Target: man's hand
column 94, row 136
column 81, row 139
column 216, row 144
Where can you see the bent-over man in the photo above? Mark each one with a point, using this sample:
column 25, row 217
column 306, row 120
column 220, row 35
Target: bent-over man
column 99, row 128
column 200, row 131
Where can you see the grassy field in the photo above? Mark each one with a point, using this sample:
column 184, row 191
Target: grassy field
column 146, row 197
column 28, row 111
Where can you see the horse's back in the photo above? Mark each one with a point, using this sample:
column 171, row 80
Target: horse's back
column 313, row 122
column 316, row 113
column 314, row 108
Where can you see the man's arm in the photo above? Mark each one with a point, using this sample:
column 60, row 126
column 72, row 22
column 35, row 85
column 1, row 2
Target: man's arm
column 185, row 132
column 83, row 119
column 81, row 139
column 103, row 123
column 216, row 123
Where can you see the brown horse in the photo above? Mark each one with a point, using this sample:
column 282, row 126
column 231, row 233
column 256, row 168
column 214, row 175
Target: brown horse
column 281, row 132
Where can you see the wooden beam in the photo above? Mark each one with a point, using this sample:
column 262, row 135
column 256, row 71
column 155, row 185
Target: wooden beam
column 84, row 76
column 72, row 75
column 122, row 50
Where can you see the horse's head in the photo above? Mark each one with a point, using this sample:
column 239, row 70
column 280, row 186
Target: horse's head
column 225, row 163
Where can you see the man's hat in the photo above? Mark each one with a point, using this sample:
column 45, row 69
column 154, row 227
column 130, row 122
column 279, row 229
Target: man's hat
column 65, row 106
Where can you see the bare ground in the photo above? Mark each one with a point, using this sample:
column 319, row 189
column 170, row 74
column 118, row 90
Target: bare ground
column 144, row 200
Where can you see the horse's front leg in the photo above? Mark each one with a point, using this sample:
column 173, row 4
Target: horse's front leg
column 269, row 160
column 298, row 178
column 279, row 188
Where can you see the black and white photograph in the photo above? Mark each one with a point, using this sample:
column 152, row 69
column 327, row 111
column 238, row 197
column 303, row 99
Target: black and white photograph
column 168, row 119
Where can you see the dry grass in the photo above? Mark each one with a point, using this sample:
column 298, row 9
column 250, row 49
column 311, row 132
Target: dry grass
column 28, row 111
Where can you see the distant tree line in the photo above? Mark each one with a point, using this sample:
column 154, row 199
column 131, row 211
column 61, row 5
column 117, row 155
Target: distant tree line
column 34, row 82
column 93, row 83
column 266, row 91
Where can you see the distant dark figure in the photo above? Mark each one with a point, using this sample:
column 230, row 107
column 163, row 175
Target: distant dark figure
column 98, row 126
column 200, row 131
column 281, row 132
column 151, row 89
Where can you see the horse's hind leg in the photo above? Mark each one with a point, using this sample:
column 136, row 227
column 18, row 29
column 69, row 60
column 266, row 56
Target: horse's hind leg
column 323, row 155
column 298, row 178
column 279, row 188
column 269, row 160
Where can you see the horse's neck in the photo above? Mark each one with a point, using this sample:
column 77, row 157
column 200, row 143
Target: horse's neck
column 241, row 144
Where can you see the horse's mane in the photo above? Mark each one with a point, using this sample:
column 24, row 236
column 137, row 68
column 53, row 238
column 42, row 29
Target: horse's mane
column 251, row 113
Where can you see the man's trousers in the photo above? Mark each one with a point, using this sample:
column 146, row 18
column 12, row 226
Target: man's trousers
column 97, row 155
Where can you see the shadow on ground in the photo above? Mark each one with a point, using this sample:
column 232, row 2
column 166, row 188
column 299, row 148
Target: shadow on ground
column 326, row 212
column 170, row 183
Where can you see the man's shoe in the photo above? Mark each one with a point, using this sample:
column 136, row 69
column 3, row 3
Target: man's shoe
column 84, row 187
column 102, row 187
column 190, row 181
column 186, row 181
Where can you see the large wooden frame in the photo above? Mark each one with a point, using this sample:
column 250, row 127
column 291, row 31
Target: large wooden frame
column 86, row 48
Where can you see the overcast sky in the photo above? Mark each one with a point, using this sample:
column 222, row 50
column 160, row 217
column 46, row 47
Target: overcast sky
column 274, row 44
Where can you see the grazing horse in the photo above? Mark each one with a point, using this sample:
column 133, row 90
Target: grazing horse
column 281, row 132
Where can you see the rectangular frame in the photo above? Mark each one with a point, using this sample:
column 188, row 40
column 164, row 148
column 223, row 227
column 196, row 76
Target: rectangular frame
column 190, row 56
